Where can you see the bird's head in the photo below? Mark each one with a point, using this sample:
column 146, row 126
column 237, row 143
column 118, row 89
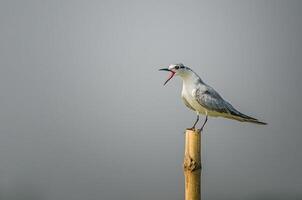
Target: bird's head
column 176, row 69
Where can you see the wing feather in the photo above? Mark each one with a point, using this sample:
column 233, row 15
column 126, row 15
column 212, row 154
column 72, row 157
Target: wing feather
column 211, row 100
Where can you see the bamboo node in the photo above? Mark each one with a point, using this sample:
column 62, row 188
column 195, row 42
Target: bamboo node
column 190, row 164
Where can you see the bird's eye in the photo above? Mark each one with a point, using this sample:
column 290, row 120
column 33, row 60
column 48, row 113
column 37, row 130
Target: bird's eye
column 176, row 67
column 182, row 67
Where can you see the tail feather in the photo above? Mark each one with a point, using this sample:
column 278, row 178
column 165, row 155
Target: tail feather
column 255, row 122
column 245, row 118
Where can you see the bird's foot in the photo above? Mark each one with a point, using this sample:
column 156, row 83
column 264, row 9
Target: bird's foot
column 191, row 129
column 194, row 129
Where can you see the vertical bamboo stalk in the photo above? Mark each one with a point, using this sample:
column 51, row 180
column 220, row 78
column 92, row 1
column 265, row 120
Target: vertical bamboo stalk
column 192, row 165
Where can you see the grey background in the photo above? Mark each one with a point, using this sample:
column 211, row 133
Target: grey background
column 84, row 114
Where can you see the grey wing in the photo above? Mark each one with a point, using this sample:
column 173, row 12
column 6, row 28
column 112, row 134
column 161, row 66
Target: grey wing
column 211, row 100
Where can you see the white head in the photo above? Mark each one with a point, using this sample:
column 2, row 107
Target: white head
column 178, row 70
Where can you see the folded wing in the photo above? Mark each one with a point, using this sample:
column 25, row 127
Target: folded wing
column 212, row 101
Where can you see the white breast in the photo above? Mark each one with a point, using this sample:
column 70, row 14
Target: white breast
column 188, row 92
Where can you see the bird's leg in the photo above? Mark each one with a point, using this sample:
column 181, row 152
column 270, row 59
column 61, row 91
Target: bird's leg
column 197, row 119
column 204, row 123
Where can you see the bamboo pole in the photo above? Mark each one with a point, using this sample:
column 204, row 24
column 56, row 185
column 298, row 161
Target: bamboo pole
column 192, row 165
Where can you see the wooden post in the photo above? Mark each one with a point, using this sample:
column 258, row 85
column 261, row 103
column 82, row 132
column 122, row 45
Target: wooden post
column 192, row 165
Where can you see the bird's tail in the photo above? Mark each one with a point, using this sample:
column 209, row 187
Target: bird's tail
column 244, row 118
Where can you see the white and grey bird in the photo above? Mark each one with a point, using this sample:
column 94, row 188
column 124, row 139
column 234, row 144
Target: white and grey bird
column 203, row 99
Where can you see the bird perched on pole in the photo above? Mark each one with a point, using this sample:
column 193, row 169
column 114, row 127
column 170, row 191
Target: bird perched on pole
column 203, row 99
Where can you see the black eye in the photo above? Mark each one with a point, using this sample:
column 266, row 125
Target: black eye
column 176, row 67
column 182, row 67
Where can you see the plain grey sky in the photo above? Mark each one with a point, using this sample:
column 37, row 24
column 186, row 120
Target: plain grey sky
column 84, row 114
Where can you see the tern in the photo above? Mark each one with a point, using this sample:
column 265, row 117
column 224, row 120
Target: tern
column 203, row 99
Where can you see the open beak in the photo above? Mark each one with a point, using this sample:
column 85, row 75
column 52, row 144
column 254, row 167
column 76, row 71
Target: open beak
column 172, row 73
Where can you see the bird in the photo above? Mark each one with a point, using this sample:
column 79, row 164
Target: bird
column 203, row 99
